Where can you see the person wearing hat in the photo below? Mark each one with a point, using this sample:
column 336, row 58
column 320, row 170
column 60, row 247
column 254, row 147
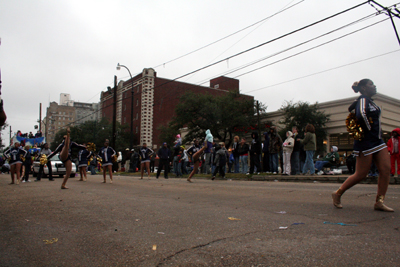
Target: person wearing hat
column 126, row 159
column 164, row 153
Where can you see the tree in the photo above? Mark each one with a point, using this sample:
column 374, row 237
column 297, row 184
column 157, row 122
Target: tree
column 302, row 113
column 223, row 115
column 95, row 132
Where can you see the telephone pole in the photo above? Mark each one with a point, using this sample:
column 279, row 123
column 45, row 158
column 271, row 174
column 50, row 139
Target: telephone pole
column 114, row 134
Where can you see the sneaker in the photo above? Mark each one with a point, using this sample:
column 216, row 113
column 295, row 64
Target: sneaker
column 29, row 181
column 247, row 173
column 320, row 172
column 23, row 181
column 274, row 173
column 258, row 173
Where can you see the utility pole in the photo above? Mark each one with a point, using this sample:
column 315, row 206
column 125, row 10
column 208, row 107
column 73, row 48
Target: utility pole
column 259, row 131
column 40, row 117
column 114, row 134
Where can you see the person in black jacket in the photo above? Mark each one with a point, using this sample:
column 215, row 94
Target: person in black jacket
column 255, row 152
column 265, row 150
column 164, row 153
column 27, row 165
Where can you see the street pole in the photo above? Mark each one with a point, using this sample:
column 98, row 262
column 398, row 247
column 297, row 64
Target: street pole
column 132, row 99
column 114, row 135
column 40, row 117
column 259, row 133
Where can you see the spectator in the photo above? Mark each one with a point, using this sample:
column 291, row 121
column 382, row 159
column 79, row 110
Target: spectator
column 27, row 164
column 208, row 141
column 45, row 151
column 164, row 153
column 330, row 158
column 220, row 160
column 275, row 145
column 287, row 152
column 310, row 145
column 235, row 153
column 255, row 152
column 295, row 157
column 243, row 155
column 92, row 166
column 134, row 160
column 265, row 150
column 231, row 162
column 394, row 150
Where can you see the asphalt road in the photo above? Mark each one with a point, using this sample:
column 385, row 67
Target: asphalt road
column 171, row 222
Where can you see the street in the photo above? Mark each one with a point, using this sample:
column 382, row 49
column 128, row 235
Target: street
column 134, row 222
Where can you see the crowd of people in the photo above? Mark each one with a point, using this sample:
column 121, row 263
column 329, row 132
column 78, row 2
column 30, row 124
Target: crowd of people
column 295, row 155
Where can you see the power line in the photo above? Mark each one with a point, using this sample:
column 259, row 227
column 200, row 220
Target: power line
column 319, row 72
column 198, row 49
column 292, row 47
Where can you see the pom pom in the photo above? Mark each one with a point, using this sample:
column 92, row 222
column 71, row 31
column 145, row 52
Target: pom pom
column 353, row 127
column 91, row 147
column 43, row 159
column 22, row 158
column 114, row 158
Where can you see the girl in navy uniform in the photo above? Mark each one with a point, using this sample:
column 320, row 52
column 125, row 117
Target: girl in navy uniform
column 14, row 154
column 83, row 158
column 370, row 148
column 107, row 153
column 145, row 154
column 195, row 152
column 65, row 155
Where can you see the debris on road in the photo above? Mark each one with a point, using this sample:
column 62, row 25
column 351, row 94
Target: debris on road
column 233, row 219
column 54, row 240
column 341, row 224
column 154, row 247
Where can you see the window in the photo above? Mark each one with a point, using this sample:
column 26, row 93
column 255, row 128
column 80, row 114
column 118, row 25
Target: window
column 136, row 129
column 137, row 102
column 124, row 119
column 137, row 115
column 124, row 107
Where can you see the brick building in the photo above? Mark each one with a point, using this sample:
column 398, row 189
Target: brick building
column 154, row 102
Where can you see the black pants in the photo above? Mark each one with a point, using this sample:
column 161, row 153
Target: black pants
column 27, row 171
column 254, row 161
column 41, row 170
column 266, row 167
column 164, row 163
column 219, row 169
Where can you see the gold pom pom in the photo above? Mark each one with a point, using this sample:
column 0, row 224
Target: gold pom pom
column 43, row 159
column 114, row 158
column 353, row 127
column 91, row 147
column 22, row 158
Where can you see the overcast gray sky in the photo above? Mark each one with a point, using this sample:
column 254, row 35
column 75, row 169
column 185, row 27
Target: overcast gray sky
column 52, row 47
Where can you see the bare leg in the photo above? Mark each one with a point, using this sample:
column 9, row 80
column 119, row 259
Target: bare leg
column 141, row 170
column 64, row 151
column 68, row 167
column 12, row 170
column 110, row 172
column 84, row 173
column 105, row 173
column 148, row 169
column 382, row 162
column 195, row 168
column 18, row 171
column 81, row 173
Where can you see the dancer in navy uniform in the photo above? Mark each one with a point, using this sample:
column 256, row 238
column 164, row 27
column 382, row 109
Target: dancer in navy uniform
column 107, row 153
column 145, row 154
column 83, row 158
column 370, row 148
column 65, row 155
column 14, row 154
column 195, row 152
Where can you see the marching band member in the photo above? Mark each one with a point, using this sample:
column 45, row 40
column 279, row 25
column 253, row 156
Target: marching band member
column 145, row 154
column 107, row 153
column 83, row 158
column 15, row 154
column 65, row 155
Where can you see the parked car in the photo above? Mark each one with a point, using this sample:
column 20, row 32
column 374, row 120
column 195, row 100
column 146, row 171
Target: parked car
column 57, row 167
